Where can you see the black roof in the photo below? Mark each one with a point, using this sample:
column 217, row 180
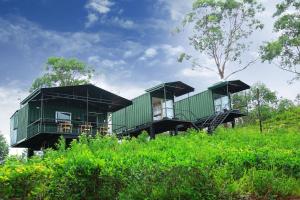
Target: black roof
column 178, row 88
column 229, row 86
column 108, row 101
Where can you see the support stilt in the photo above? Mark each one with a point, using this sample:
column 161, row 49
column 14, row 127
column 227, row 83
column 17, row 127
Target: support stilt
column 152, row 132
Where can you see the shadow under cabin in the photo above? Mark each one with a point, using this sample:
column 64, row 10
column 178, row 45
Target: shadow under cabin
column 49, row 113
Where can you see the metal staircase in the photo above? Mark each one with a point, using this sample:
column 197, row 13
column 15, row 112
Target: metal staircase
column 214, row 121
column 192, row 123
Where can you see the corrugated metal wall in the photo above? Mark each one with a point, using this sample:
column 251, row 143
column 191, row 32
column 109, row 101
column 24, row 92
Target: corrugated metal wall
column 201, row 105
column 13, row 128
column 22, row 123
column 140, row 112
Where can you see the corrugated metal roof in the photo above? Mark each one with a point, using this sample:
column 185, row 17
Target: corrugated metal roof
column 229, row 86
column 178, row 88
column 79, row 92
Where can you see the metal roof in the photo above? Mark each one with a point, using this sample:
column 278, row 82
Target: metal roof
column 109, row 101
column 229, row 86
column 178, row 88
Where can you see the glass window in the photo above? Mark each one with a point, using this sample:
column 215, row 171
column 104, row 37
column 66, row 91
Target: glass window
column 162, row 109
column 222, row 103
column 62, row 116
column 168, row 106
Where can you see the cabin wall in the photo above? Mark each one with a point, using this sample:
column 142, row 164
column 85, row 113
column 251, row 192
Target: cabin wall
column 140, row 112
column 197, row 106
column 22, row 118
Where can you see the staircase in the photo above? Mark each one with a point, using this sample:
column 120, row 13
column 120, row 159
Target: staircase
column 214, row 121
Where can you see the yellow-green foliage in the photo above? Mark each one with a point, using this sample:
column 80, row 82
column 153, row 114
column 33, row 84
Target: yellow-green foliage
column 232, row 164
column 288, row 119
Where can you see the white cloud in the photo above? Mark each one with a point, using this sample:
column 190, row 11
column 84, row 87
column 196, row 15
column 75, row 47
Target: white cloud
column 95, row 9
column 10, row 97
column 149, row 53
column 33, row 40
column 99, row 6
column 92, row 18
column 126, row 90
column 197, row 73
column 123, row 23
column 176, row 8
column 106, row 63
column 127, row 54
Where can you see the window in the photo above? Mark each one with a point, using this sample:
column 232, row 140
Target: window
column 222, row 103
column 162, row 109
column 62, row 116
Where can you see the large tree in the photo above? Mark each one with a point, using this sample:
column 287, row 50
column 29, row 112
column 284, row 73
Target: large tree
column 3, row 147
column 221, row 29
column 284, row 51
column 63, row 72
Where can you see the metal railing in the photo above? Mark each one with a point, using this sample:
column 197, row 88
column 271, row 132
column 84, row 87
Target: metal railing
column 73, row 127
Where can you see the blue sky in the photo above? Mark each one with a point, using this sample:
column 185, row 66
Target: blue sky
column 129, row 42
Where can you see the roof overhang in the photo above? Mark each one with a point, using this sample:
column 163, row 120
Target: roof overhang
column 229, row 87
column 108, row 101
column 177, row 88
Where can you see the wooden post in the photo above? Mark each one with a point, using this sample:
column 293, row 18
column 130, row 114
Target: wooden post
column 259, row 112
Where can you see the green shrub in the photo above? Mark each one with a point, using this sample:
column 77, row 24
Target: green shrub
column 231, row 164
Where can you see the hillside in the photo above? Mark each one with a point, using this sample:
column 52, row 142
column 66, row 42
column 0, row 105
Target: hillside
column 232, row 164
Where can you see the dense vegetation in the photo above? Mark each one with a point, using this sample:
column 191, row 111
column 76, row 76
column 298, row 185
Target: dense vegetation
column 232, row 164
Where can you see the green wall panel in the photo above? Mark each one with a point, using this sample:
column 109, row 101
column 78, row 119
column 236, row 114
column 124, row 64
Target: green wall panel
column 140, row 112
column 201, row 105
column 22, row 123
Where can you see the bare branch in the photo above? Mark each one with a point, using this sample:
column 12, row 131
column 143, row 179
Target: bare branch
column 194, row 63
column 287, row 69
column 241, row 69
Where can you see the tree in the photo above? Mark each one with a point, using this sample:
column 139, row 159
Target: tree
column 285, row 104
column 297, row 100
column 268, row 101
column 284, row 52
column 63, row 72
column 220, row 32
column 3, row 147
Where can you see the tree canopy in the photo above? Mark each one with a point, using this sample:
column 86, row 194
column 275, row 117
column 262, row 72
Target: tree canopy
column 220, row 32
column 285, row 50
column 3, row 147
column 63, row 72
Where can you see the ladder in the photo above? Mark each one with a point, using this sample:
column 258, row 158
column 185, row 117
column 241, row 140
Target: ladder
column 217, row 120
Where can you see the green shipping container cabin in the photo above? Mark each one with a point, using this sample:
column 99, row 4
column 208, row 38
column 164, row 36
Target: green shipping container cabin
column 157, row 111
column 216, row 99
column 48, row 113
column 152, row 110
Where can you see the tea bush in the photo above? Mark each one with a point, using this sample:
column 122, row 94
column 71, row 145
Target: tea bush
column 231, row 164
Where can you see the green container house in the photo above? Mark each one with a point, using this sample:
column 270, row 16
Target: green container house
column 48, row 113
column 157, row 111
column 151, row 111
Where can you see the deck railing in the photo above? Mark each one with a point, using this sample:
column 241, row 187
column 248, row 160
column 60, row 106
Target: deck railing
column 74, row 127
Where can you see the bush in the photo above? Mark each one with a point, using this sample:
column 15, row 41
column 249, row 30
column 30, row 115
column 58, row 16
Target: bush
column 231, row 164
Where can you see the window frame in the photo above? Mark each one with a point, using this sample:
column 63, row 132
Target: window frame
column 62, row 120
